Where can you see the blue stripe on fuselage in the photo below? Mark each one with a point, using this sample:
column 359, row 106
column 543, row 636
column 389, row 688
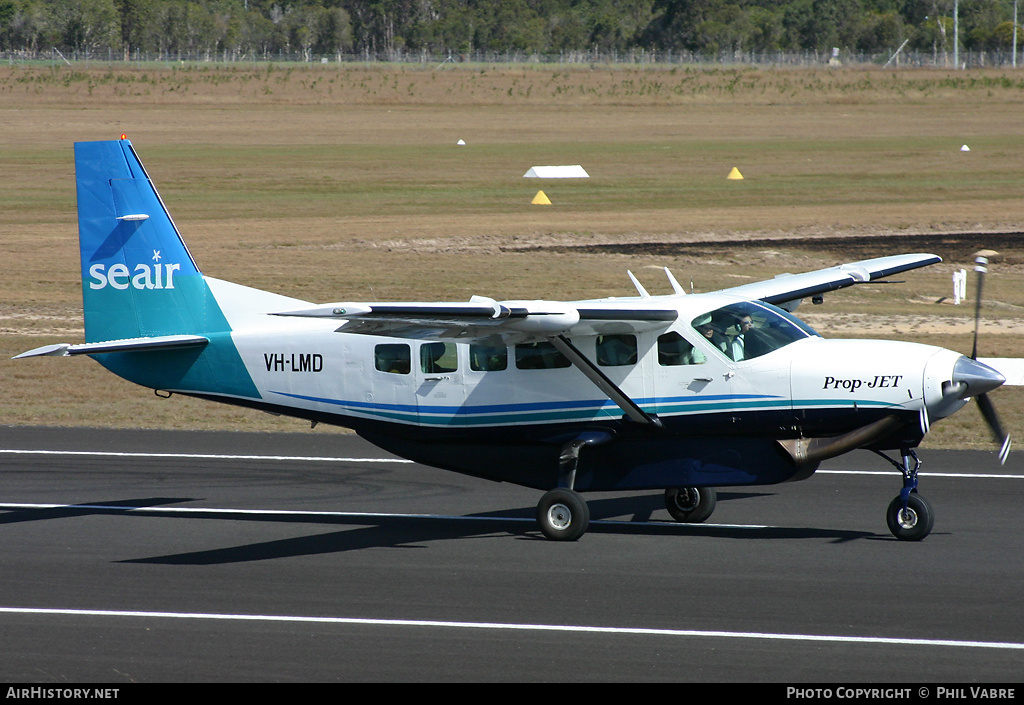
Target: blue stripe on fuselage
column 484, row 414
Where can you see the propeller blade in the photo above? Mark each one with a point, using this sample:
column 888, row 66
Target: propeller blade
column 981, row 267
column 988, row 411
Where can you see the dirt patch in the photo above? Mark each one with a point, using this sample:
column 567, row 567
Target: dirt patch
column 862, row 245
column 839, row 325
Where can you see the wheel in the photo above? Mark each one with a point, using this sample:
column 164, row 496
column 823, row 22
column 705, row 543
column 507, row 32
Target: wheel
column 913, row 524
column 563, row 515
column 690, row 505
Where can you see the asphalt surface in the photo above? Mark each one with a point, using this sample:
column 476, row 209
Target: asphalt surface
column 139, row 557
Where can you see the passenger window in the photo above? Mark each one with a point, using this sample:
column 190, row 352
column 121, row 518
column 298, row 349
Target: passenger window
column 673, row 349
column 487, row 358
column 616, row 350
column 438, row 357
column 540, row 356
column 394, row 358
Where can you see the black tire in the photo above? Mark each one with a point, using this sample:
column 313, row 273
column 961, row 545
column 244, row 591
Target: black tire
column 690, row 505
column 563, row 515
column 915, row 523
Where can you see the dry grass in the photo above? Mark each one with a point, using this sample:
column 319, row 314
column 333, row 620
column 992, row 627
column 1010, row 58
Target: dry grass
column 330, row 183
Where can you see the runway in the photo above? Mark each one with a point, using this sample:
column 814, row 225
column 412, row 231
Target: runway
column 141, row 556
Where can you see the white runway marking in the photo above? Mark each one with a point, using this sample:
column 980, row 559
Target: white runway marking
column 891, row 473
column 11, row 506
column 637, row 631
column 226, row 511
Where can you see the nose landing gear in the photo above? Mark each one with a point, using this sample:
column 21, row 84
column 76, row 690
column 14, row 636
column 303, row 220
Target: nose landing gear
column 911, row 522
column 910, row 517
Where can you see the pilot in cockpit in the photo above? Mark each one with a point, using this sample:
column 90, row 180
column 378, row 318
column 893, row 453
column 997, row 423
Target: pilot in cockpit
column 706, row 327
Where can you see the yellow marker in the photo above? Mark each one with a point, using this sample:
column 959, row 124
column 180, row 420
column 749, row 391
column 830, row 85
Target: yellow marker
column 541, row 200
column 735, row 174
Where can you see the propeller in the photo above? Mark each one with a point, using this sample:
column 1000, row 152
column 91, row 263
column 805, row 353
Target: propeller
column 981, row 267
column 988, row 410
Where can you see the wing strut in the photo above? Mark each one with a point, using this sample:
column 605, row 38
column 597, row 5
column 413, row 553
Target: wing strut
column 601, row 381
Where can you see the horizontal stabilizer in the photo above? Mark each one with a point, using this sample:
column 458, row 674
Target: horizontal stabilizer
column 163, row 342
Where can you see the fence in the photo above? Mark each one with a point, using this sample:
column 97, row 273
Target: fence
column 806, row 59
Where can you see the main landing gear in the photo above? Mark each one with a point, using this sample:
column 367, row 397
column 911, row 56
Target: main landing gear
column 690, row 505
column 563, row 514
column 909, row 516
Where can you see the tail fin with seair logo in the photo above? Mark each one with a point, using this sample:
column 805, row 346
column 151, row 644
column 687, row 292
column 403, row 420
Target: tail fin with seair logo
column 138, row 277
column 150, row 314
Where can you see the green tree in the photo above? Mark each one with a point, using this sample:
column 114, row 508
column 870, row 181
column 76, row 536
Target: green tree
column 451, row 31
column 85, row 25
column 566, row 31
column 1003, row 35
column 503, row 25
column 725, row 28
column 766, row 30
column 264, row 27
column 133, row 20
column 187, row 28
column 30, row 27
column 881, row 32
column 831, row 23
column 978, row 22
column 255, row 34
column 618, row 26
column 335, row 31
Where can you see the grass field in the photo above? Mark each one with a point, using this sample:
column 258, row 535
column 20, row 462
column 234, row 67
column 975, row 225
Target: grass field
column 330, row 183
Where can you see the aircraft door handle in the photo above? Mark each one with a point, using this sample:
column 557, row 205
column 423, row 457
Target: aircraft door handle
column 703, row 379
column 435, row 379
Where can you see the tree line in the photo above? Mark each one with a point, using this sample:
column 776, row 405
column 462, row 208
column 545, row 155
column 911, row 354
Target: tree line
column 260, row 29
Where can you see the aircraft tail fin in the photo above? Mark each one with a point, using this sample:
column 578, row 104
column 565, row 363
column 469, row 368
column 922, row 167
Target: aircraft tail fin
column 150, row 315
column 138, row 277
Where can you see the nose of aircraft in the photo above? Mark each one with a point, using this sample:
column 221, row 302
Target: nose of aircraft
column 972, row 378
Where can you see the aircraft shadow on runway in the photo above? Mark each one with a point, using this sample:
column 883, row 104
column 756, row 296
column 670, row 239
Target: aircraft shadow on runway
column 116, row 506
column 404, row 531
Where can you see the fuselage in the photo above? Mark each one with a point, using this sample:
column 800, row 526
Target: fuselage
column 431, row 391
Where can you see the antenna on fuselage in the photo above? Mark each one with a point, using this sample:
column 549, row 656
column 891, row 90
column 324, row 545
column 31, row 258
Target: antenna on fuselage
column 638, row 285
column 675, row 285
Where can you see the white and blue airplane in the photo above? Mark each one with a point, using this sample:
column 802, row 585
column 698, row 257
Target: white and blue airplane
column 681, row 392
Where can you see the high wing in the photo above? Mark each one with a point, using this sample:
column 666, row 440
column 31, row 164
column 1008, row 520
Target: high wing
column 511, row 322
column 786, row 290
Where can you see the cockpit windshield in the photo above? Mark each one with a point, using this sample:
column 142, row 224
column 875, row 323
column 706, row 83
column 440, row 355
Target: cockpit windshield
column 750, row 329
